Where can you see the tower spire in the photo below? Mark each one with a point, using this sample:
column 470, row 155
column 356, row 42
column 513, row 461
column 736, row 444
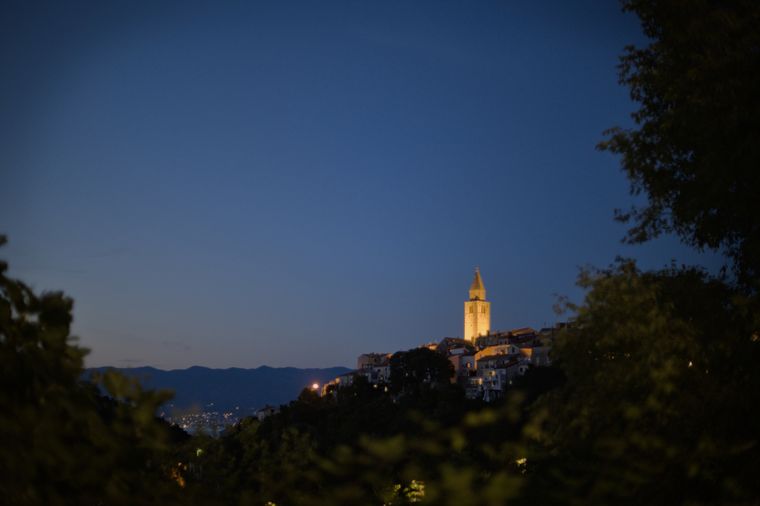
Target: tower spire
column 477, row 288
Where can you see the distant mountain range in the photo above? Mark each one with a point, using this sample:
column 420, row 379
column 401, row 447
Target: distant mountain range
column 226, row 389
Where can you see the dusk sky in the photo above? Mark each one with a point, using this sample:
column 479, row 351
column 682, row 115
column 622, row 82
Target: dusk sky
column 235, row 184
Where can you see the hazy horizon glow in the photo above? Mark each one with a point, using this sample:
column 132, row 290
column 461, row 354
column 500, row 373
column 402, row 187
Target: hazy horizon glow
column 239, row 184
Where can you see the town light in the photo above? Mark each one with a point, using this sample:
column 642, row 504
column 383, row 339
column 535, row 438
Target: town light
column 315, row 386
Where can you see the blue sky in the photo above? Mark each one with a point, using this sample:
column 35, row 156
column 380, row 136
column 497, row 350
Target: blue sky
column 295, row 183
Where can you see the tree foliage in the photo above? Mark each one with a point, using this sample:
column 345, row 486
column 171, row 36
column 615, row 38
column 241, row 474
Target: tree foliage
column 695, row 151
column 63, row 443
column 662, row 399
column 364, row 446
column 413, row 369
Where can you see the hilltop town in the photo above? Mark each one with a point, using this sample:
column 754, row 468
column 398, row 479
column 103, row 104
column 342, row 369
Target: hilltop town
column 485, row 361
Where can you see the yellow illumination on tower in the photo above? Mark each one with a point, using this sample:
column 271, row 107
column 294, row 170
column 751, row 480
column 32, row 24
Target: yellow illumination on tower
column 477, row 310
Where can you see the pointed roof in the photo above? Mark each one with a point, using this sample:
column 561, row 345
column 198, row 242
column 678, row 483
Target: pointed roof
column 477, row 282
column 477, row 288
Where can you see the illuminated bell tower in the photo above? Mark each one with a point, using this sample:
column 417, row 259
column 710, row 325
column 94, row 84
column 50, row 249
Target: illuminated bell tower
column 477, row 311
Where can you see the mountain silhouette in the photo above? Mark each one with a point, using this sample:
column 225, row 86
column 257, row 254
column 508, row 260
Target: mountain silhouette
column 226, row 389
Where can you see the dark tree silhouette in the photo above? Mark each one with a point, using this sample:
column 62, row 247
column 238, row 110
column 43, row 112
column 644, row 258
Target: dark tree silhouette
column 662, row 399
column 420, row 366
column 63, row 443
column 695, row 153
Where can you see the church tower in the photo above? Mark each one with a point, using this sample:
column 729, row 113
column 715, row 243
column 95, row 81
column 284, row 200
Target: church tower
column 477, row 311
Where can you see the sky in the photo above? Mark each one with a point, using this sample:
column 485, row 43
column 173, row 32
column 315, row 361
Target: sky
column 236, row 184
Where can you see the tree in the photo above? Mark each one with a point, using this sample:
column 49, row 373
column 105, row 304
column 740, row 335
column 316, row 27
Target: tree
column 413, row 368
column 695, row 151
column 660, row 403
column 662, row 399
column 64, row 443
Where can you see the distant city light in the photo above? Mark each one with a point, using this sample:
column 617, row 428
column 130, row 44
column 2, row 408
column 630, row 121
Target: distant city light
column 315, row 386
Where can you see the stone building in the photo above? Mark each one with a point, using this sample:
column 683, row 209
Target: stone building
column 376, row 367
